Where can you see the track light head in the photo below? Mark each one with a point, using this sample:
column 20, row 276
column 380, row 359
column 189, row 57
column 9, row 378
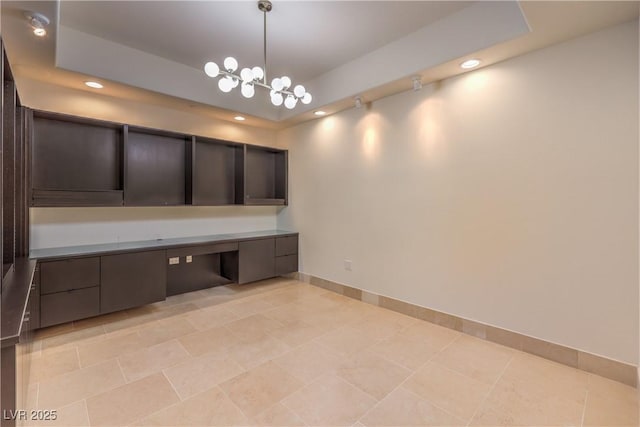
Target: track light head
column 358, row 102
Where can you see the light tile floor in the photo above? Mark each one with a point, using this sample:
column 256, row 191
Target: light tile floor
column 284, row 353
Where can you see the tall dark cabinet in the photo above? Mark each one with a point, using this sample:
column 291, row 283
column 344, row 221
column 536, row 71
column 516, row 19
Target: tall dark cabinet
column 17, row 282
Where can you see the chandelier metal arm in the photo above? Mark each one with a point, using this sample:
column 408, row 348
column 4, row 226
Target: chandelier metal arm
column 279, row 89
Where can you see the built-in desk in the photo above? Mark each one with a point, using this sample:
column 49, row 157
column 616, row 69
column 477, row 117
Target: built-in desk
column 77, row 282
column 16, row 316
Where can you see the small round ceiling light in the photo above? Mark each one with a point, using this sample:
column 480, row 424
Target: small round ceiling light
column 319, row 113
column 38, row 22
column 470, row 63
column 239, row 118
column 94, row 85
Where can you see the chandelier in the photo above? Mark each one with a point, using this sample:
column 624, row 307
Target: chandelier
column 280, row 89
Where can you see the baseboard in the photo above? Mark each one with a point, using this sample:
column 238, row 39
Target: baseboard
column 608, row 368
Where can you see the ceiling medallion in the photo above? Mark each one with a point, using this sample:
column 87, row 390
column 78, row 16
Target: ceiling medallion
column 249, row 78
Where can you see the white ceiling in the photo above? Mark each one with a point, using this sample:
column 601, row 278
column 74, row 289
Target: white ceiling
column 305, row 38
column 153, row 51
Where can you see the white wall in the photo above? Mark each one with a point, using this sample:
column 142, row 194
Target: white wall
column 51, row 227
column 508, row 195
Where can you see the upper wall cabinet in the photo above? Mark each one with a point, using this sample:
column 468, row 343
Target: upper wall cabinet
column 265, row 176
column 218, row 172
column 75, row 162
column 84, row 162
column 155, row 168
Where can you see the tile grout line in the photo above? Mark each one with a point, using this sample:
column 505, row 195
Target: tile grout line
column 506, row 366
column 584, row 408
column 86, row 410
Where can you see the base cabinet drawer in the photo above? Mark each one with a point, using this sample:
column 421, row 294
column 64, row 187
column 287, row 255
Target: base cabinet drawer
column 70, row 305
column 256, row 260
column 286, row 264
column 287, row 245
column 69, row 274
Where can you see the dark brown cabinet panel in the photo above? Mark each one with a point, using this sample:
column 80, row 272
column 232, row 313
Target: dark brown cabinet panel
column 286, row 245
column 75, row 156
column 132, row 279
column 155, row 169
column 66, row 306
column 286, row 264
column 217, row 173
column 69, row 274
column 256, row 260
column 265, row 176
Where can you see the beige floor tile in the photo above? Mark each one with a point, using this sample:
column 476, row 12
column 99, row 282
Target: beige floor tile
column 72, row 338
column 49, row 364
column 309, row 361
column 346, row 341
column 202, row 373
column 438, row 337
column 165, row 330
column 277, row 416
column 475, row 358
column 297, row 332
column 373, row 374
column 96, row 352
column 262, row 387
column 131, row 402
column 257, row 350
column 532, row 372
column 289, row 313
column 527, row 405
column 610, row 403
column 211, row 408
column 252, row 326
column 329, row 401
column 248, row 306
column 453, row 392
column 208, row 341
column 151, row 360
column 137, row 319
column 72, row 415
column 77, row 385
column 173, row 311
column 100, row 320
column 410, row 353
column 53, row 331
column 210, row 317
column 404, row 408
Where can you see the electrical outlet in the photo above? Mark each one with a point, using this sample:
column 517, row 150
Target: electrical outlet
column 174, row 260
column 189, row 258
column 347, row 264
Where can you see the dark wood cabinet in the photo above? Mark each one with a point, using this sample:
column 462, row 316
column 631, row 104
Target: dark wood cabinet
column 155, row 169
column 62, row 307
column 256, row 260
column 69, row 274
column 132, row 279
column 217, row 172
column 75, row 162
column 265, row 176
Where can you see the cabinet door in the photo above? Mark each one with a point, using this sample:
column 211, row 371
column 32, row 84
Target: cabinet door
column 131, row 280
column 257, row 260
column 154, row 170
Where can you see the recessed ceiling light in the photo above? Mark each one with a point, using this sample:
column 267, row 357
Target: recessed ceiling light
column 239, row 118
column 319, row 113
column 470, row 63
column 94, row 85
column 38, row 22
